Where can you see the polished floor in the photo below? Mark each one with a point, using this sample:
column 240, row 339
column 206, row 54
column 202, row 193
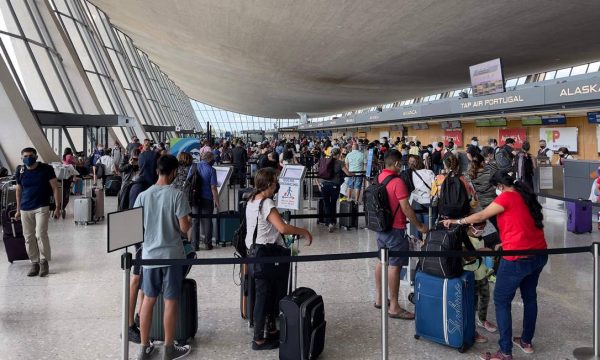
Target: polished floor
column 75, row 312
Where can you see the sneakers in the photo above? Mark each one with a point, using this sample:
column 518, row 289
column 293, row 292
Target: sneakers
column 497, row 356
column 331, row 227
column 267, row 345
column 35, row 270
column 134, row 334
column 145, row 352
column 44, row 268
column 527, row 348
column 488, row 326
column 176, row 352
column 480, row 339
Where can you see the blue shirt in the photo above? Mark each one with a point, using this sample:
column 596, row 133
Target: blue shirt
column 35, row 186
column 208, row 178
column 163, row 206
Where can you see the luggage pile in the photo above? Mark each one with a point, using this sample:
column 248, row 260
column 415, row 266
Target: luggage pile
column 89, row 209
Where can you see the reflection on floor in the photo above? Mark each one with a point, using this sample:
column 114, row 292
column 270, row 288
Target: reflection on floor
column 75, row 312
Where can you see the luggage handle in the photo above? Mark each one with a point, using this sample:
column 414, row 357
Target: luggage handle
column 282, row 328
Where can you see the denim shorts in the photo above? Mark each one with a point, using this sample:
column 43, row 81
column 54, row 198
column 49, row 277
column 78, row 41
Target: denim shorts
column 169, row 279
column 355, row 182
column 394, row 240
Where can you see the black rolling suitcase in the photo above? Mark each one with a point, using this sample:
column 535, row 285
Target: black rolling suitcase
column 349, row 207
column 187, row 315
column 12, row 235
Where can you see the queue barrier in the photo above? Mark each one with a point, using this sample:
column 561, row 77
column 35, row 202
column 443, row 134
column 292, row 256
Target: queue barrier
column 383, row 255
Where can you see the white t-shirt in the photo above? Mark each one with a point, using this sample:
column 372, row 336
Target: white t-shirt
column 422, row 193
column 108, row 163
column 267, row 233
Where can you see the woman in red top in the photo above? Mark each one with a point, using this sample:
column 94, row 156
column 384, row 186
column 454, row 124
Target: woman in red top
column 520, row 223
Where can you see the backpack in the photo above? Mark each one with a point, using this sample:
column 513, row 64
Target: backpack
column 99, row 170
column 453, row 199
column 442, row 239
column 194, row 188
column 326, row 168
column 504, row 160
column 378, row 215
column 406, row 176
column 239, row 236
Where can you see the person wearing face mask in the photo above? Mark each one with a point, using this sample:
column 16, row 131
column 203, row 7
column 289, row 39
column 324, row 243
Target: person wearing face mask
column 263, row 238
column 544, row 151
column 520, row 223
column 202, row 231
column 563, row 154
column 331, row 189
column 166, row 220
column 473, row 148
column 36, row 183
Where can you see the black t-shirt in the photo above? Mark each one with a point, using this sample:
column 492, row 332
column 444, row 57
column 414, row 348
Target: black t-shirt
column 35, row 186
column 239, row 156
column 338, row 173
column 436, row 157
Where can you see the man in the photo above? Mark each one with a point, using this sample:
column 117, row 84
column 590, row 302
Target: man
column 202, row 231
column 436, row 158
column 473, row 148
column 395, row 239
column 355, row 161
column 506, row 155
column 147, row 164
column 239, row 158
column 109, row 165
column 263, row 158
column 493, row 143
column 117, row 154
column 166, row 218
column 36, row 183
column 545, row 151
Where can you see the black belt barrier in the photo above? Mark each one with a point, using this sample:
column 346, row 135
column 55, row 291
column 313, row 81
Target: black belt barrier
column 293, row 216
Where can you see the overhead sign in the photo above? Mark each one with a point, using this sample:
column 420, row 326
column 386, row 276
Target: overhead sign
column 560, row 137
column 518, row 134
column 531, row 120
column 580, row 90
column 554, row 119
column 490, row 122
column 594, row 118
column 455, row 136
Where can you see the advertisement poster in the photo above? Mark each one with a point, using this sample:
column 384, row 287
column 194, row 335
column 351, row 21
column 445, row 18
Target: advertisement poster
column 288, row 196
column 454, row 135
column 560, row 137
column 519, row 134
column 189, row 145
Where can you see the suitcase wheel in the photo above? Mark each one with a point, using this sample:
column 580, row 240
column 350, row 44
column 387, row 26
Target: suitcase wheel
column 417, row 337
column 411, row 298
column 463, row 348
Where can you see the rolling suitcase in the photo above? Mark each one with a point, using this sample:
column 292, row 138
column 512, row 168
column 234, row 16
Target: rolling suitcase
column 82, row 210
column 187, row 315
column 98, row 208
column 579, row 216
column 349, row 207
column 445, row 309
column 227, row 227
column 12, row 235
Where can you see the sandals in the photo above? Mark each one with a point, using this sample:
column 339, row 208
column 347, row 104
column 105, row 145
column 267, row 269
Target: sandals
column 379, row 306
column 403, row 315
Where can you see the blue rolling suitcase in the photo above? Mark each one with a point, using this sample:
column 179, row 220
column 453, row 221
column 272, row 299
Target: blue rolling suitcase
column 445, row 309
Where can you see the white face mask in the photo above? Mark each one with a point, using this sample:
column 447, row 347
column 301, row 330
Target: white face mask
column 474, row 143
column 498, row 192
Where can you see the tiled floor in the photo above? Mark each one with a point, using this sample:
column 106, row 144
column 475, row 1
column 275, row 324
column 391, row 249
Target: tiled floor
column 75, row 312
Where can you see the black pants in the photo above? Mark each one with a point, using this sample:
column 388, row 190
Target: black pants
column 202, row 229
column 331, row 193
column 266, row 303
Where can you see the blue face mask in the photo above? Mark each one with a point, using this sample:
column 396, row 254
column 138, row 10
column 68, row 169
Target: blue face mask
column 30, row 160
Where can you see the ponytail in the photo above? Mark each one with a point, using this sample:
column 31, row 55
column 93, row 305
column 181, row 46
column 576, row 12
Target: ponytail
column 533, row 205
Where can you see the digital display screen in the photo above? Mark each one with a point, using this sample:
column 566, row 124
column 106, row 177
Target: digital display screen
column 487, row 78
column 221, row 176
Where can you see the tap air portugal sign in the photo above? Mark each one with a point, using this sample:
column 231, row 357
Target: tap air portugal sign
column 560, row 137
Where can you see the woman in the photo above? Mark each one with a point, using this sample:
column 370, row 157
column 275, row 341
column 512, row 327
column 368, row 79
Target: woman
column 520, row 222
column 420, row 198
column 68, row 157
column 331, row 188
column 563, row 154
column 264, row 227
column 287, row 158
column 185, row 162
column 524, row 165
column 449, row 208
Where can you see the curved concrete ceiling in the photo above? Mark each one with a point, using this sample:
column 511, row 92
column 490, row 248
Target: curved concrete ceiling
column 275, row 58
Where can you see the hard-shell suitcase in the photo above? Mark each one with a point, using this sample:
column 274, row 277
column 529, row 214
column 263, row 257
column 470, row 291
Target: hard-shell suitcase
column 579, row 216
column 227, row 227
column 12, row 235
column 349, row 207
column 82, row 210
column 187, row 315
column 445, row 309
column 302, row 325
column 98, row 210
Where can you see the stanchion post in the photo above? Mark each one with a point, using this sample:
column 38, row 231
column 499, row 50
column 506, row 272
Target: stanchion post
column 384, row 303
column 126, row 267
column 594, row 351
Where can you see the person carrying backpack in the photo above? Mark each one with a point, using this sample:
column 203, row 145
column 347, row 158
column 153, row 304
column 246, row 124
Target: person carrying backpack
column 524, row 165
column 390, row 194
column 332, row 172
column 505, row 157
column 452, row 191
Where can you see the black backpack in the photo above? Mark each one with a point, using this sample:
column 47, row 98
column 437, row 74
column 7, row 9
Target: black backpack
column 239, row 236
column 406, row 176
column 194, row 188
column 378, row 215
column 443, row 239
column 453, row 199
column 504, row 160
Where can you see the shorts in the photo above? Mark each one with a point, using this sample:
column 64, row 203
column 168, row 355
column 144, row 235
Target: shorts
column 169, row 279
column 355, row 182
column 137, row 269
column 394, row 240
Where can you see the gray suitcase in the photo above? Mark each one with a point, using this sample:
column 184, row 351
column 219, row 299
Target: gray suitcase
column 82, row 210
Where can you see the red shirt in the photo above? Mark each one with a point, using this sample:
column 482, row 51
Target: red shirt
column 517, row 228
column 396, row 191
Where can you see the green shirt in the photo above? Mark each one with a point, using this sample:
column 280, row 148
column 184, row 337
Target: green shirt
column 355, row 161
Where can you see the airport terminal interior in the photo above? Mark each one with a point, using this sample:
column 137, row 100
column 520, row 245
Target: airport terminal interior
column 327, row 95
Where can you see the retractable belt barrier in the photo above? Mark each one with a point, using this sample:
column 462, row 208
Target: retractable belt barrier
column 565, row 199
column 293, row 216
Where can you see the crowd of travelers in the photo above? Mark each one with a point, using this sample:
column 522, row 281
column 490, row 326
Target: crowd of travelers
column 495, row 200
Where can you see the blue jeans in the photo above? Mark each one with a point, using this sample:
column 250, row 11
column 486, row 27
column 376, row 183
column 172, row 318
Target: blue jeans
column 330, row 193
column 521, row 274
